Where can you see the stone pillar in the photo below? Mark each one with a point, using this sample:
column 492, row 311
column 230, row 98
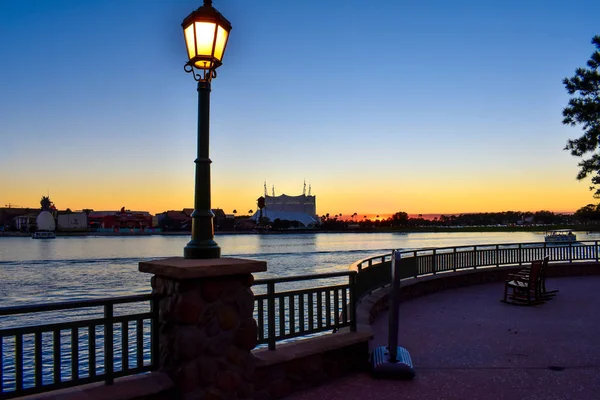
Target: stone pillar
column 206, row 324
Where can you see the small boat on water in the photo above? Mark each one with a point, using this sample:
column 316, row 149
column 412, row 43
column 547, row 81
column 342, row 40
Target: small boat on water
column 43, row 235
column 560, row 236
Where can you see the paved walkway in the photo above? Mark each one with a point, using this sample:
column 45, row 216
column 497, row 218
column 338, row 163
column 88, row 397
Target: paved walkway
column 466, row 344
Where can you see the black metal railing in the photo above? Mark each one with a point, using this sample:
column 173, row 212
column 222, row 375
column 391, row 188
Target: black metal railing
column 79, row 342
column 374, row 272
column 299, row 311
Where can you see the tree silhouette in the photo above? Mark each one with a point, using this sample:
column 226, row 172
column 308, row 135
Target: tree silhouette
column 46, row 203
column 584, row 109
column 589, row 213
column 400, row 219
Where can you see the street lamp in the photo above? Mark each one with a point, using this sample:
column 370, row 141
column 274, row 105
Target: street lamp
column 206, row 32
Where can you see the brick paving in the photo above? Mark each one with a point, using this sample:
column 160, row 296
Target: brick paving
column 466, row 344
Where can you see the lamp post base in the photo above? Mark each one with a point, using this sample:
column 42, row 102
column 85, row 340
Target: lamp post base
column 201, row 249
column 383, row 366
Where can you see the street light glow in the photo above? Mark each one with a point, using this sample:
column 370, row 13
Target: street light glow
column 206, row 32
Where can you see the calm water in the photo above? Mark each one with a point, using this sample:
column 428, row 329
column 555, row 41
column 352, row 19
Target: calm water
column 70, row 268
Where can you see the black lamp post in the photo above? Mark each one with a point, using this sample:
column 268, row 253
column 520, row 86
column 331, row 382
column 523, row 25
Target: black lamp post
column 206, row 32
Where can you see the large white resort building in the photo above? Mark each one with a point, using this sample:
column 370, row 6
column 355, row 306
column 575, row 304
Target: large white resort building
column 301, row 208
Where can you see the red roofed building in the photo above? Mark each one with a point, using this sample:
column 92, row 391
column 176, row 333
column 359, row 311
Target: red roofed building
column 117, row 220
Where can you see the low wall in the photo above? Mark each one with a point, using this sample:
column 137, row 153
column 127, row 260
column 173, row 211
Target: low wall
column 303, row 364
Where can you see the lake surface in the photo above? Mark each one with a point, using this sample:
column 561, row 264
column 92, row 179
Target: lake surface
column 72, row 268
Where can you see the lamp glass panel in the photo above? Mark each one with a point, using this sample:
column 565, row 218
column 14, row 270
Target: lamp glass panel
column 205, row 36
column 189, row 41
column 222, row 35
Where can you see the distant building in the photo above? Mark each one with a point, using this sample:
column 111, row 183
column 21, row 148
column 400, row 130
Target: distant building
column 26, row 222
column 8, row 217
column 175, row 221
column 120, row 220
column 302, row 208
column 306, row 204
column 72, row 222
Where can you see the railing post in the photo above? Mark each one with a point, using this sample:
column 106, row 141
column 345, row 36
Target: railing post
column 596, row 249
column 352, row 282
column 154, row 325
column 520, row 255
column 271, row 314
column 109, row 367
column 570, row 252
column 454, row 260
column 498, row 255
column 434, row 262
column 475, row 257
column 417, row 272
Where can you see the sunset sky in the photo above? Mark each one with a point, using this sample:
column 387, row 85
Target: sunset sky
column 381, row 106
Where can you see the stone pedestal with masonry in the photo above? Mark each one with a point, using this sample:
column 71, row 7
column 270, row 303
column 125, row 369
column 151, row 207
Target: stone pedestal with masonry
column 206, row 324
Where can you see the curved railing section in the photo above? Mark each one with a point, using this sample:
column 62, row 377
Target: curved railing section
column 374, row 272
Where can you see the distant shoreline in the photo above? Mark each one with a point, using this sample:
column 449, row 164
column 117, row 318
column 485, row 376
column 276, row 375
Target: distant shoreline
column 450, row 229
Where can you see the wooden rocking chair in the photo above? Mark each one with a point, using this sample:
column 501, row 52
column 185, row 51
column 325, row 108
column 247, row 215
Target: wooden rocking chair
column 526, row 286
column 543, row 292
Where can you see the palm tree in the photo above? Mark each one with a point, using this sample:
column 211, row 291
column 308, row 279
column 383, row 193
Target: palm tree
column 235, row 211
column 45, row 203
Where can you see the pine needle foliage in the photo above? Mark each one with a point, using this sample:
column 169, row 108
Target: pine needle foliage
column 584, row 110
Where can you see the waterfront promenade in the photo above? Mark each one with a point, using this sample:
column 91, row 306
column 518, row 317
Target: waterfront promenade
column 466, row 344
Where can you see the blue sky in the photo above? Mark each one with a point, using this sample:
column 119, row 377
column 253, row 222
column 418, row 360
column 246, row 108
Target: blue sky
column 420, row 106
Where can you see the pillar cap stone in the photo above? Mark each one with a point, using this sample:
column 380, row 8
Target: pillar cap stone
column 184, row 268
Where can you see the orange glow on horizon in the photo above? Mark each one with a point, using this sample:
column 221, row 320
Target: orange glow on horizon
column 140, row 192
